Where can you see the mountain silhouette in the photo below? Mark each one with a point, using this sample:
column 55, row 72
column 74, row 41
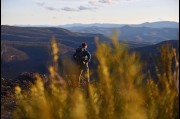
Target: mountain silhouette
column 158, row 24
column 44, row 34
column 128, row 33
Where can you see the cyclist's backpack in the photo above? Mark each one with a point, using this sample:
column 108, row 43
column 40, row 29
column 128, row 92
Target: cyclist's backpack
column 79, row 55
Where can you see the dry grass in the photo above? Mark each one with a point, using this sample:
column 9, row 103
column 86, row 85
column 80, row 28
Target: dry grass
column 119, row 94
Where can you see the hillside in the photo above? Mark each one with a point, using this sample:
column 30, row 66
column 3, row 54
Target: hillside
column 150, row 54
column 27, row 57
column 44, row 34
column 128, row 33
column 27, row 49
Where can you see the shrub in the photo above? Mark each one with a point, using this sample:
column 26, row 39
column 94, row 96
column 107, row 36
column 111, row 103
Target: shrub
column 119, row 93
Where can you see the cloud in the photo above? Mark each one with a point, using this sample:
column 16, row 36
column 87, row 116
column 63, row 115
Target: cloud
column 51, row 8
column 69, row 9
column 105, row 1
column 91, row 5
column 86, row 8
column 79, row 8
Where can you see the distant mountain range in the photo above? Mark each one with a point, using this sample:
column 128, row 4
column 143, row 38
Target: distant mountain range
column 147, row 33
column 159, row 24
column 133, row 34
column 45, row 34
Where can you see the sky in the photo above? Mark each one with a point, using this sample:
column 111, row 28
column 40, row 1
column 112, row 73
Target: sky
column 60, row 12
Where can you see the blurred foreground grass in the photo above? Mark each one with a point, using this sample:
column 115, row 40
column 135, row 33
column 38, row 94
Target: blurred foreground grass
column 119, row 94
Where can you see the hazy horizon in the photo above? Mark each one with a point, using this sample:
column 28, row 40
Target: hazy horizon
column 81, row 24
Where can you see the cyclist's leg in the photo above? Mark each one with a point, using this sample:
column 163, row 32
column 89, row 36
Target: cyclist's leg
column 80, row 75
column 86, row 68
column 87, row 75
